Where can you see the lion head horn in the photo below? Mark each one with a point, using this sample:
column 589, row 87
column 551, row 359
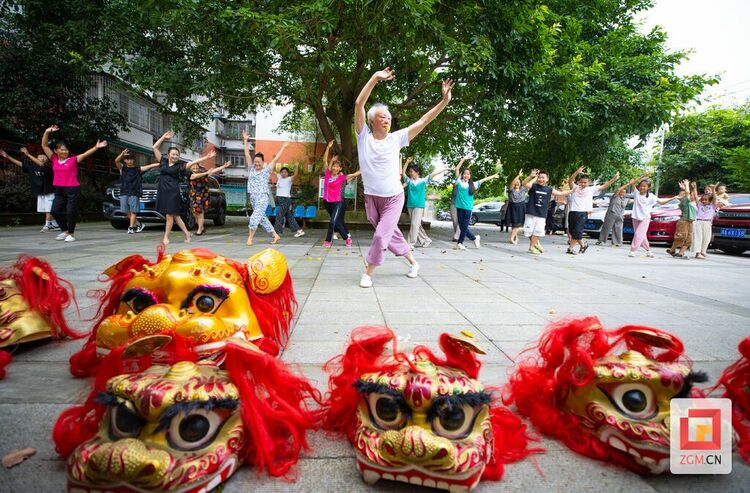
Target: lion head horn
column 267, row 271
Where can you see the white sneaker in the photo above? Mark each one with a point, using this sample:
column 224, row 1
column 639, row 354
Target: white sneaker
column 365, row 282
column 460, row 246
column 476, row 241
column 44, row 229
column 140, row 227
column 649, row 254
column 53, row 227
column 632, row 254
column 427, row 243
column 61, row 236
column 413, row 271
column 299, row 233
column 70, row 238
column 336, row 236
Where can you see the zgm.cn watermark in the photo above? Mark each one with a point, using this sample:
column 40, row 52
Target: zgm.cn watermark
column 701, row 436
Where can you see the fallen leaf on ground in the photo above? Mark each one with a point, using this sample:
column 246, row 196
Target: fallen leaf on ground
column 15, row 457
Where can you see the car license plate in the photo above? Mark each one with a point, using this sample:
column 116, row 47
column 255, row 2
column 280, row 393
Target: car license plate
column 733, row 232
column 628, row 230
column 143, row 206
column 589, row 225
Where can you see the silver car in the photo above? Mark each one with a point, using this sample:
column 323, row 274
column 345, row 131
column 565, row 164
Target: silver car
column 489, row 212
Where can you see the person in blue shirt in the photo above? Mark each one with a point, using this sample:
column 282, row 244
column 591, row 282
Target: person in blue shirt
column 465, row 190
column 416, row 187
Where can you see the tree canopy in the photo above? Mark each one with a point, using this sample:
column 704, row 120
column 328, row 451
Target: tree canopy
column 544, row 84
column 43, row 78
column 710, row 147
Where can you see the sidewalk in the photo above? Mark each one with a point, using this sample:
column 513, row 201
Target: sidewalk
column 500, row 293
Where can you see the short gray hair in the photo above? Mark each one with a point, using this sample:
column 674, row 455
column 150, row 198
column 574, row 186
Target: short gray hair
column 374, row 109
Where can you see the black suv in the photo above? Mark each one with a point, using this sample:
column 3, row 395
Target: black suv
column 217, row 209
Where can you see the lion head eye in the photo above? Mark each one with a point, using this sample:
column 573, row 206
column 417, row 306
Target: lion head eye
column 453, row 421
column 387, row 411
column 138, row 299
column 125, row 421
column 205, row 299
column 633, row 400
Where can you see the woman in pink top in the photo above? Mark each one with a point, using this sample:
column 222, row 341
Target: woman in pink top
column 65, row 181
column 333, row 197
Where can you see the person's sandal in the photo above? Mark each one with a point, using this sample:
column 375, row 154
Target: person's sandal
column 584, row 248
column 571, row 252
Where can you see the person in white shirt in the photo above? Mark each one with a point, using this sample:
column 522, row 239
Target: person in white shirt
column 643, row 203
column 580, row 204
column 285, row 213
column 378, row 152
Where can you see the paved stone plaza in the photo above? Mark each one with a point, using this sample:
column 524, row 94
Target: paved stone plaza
column 501, row 293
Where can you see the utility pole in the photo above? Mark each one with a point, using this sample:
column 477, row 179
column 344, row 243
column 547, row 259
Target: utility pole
column 658, row 165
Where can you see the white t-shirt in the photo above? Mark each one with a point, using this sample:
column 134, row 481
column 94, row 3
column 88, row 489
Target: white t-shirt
column 642, row 205
column 582, row 199
column 284, row 186
column 378, row 162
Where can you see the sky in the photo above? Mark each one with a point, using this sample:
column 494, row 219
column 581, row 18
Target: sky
column 717, row 32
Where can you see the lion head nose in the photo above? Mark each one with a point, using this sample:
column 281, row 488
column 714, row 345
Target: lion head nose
column 155, row 319
column 416, row 446
column 127, row 460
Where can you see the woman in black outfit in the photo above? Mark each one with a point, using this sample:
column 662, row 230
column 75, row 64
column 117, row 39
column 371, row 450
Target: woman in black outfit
column 168, row 198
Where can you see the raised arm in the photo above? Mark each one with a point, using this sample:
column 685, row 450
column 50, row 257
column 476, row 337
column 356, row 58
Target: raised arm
column 417, row 127
column 118, row 159
column 364, row 95
column 296, row 169
column 147, row 167
column 157, row 145
column 11, row 159
column 694, row 192
column 406, row 165
column 572, row 178
column 100, row 144
column 276, row 158
column 246, row 148
column 517, row 177
column 437, row 172
column 326, row 164
column 609, row 183
column 531, row 178
column 208, row 156
column 45, row 140
column 488, row 178
column 561, row 193
column 28, row 155
column 460, row 163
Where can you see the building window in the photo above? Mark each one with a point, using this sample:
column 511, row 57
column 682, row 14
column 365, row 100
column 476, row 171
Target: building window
column 233, row 129
column 237, row 159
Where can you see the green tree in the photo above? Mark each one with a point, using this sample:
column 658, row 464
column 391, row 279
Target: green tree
column 44, row 82
column 711, row 146
column 549, row 83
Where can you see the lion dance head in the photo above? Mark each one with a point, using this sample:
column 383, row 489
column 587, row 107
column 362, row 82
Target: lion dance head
column 32, row 304
column 417, row 418
column 735, row 381
column 605, row 394
column 183, row 424
column 197, row 294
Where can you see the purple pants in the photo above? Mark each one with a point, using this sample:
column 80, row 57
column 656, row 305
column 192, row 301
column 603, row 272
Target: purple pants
column 384, row 213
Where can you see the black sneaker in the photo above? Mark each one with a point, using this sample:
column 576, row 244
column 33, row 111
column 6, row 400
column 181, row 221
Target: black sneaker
column 139, row 227
column 131, row 231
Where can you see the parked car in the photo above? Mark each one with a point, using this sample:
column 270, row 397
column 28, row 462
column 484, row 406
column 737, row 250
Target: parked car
column 739, row 198
column 602, row 199
column 443, row 215
column 593, row 226
column 663, row 223
column 731, row 229
column 217, row 210
column 489, row 212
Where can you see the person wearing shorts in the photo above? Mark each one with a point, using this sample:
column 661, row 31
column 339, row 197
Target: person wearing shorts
column 683, row 235
column 40, row 172
column 581, row 203
column 536, row 208
column 131, row 188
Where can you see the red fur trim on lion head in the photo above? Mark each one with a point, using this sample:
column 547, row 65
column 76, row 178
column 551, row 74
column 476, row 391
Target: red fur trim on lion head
column 44, row 292
column 274, row 311
column 275, row 408
column 567, row 352
column 736, row 383
column 5, row 359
